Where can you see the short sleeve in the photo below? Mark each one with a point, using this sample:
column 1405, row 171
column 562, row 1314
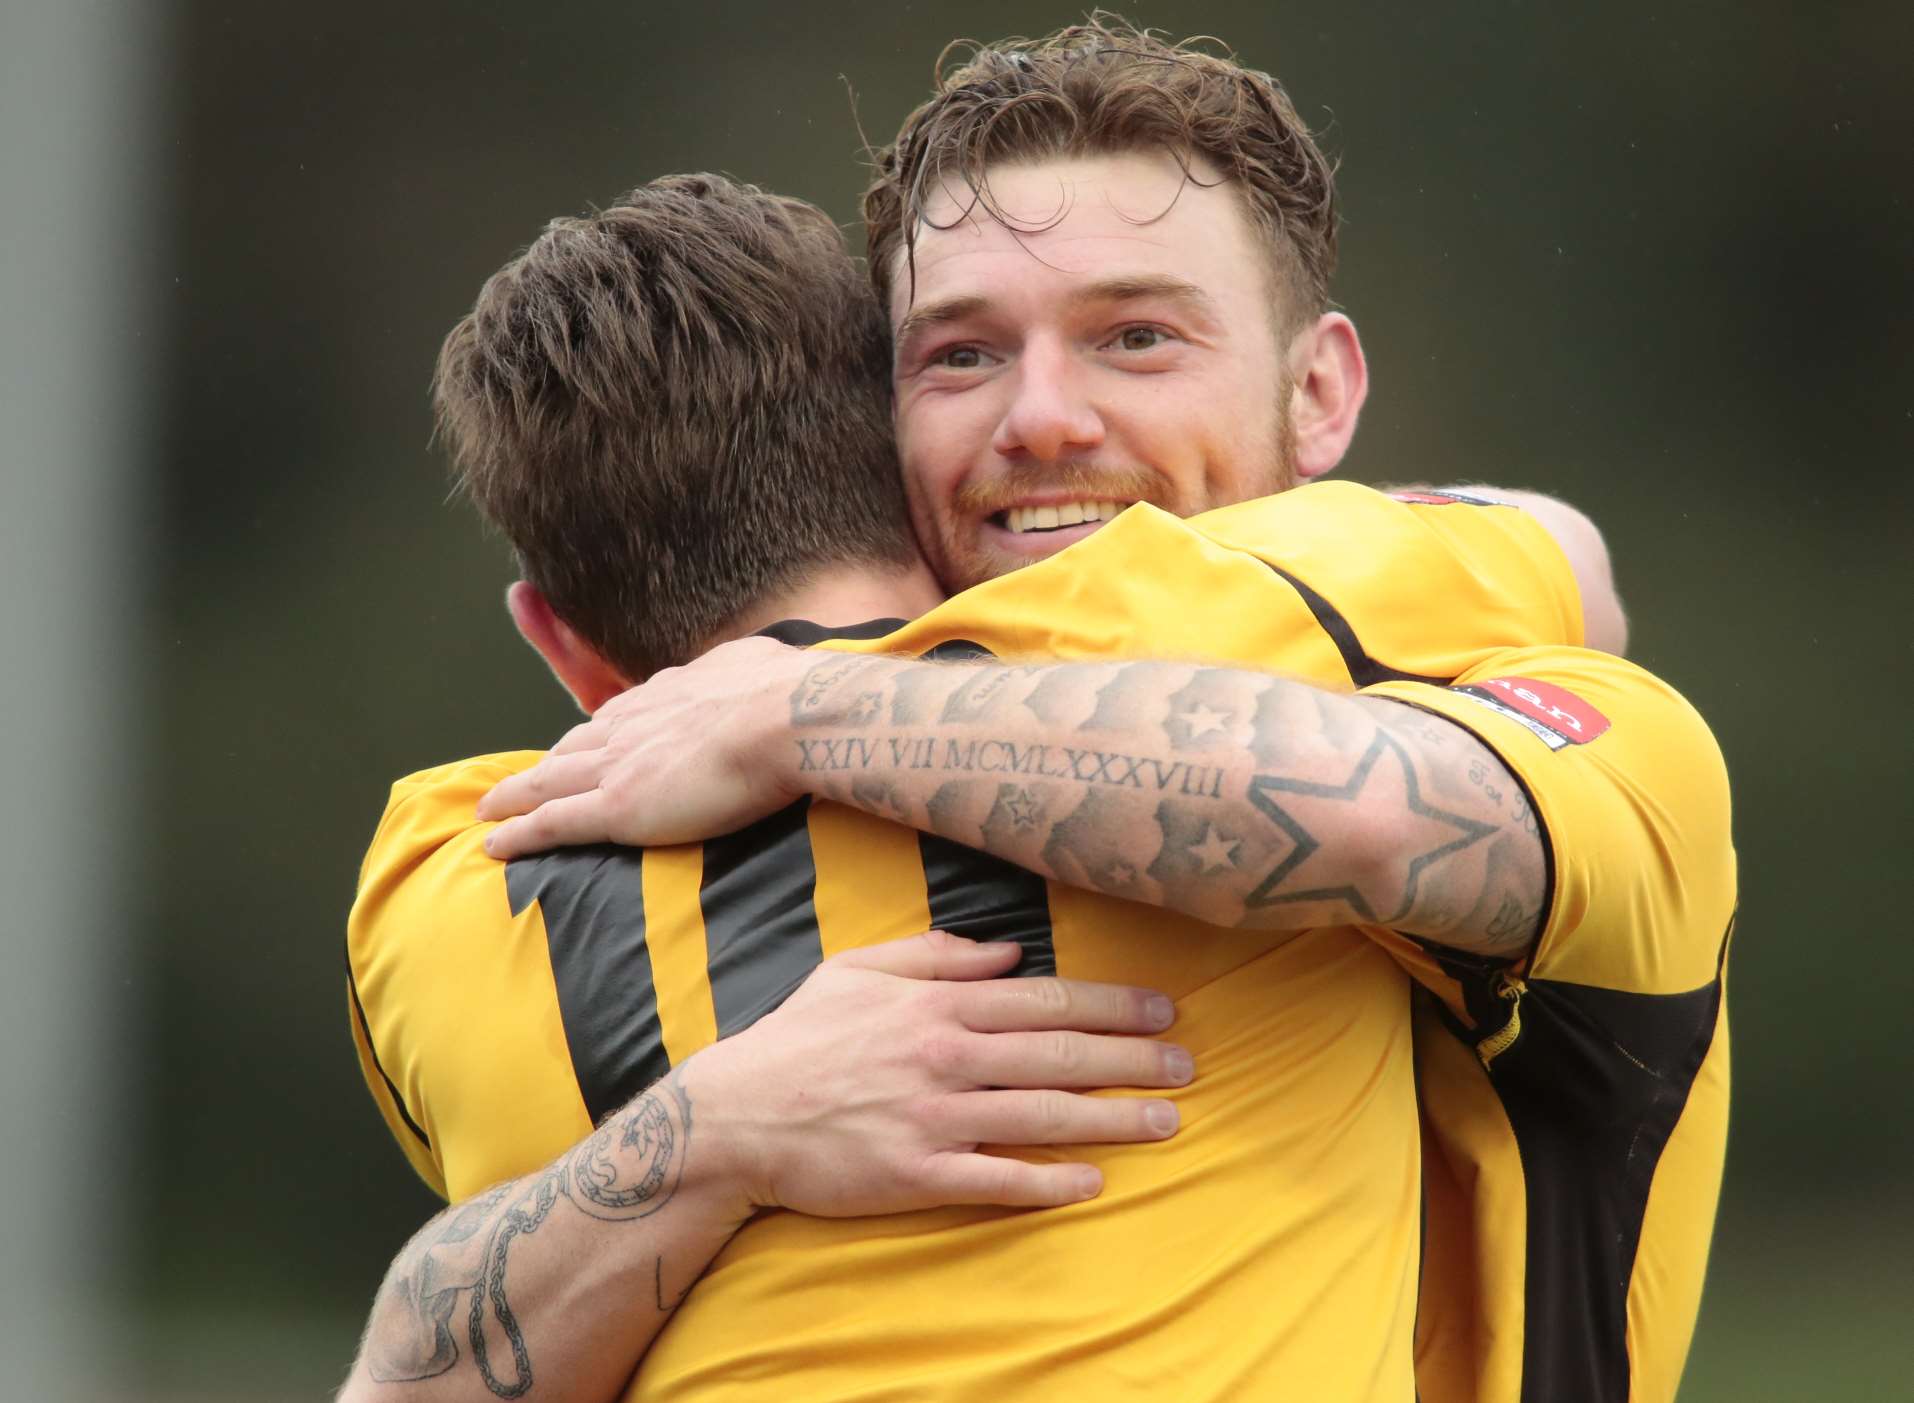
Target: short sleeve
column 451, row 992
column 1429, row 582
column 1633, row 799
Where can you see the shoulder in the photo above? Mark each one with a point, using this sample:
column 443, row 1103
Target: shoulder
column 427, row 855
column 429, row 806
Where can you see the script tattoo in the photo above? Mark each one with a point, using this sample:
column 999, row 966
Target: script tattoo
column 1236, row 797
column 1512, row 921
column 826, row 697
column 627, row 1169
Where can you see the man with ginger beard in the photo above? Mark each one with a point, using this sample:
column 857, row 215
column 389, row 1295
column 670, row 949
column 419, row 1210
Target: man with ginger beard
column 1040, row 351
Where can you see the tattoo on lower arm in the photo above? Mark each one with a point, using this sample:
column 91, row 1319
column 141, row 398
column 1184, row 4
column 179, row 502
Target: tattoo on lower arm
column 627, row 1169
column 1232, row 796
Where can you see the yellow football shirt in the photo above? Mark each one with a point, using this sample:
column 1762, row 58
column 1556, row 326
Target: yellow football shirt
column 1577, row 1102
column 1271, row 1241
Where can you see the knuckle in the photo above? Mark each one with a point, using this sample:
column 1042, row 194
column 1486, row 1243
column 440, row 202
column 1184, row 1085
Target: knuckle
column 1051, row 1114
column 927, row 1002
column 1000, row 1178
column 940, row 1053
column 1051, row 997
column 1065, row 1053
column 932, row 1114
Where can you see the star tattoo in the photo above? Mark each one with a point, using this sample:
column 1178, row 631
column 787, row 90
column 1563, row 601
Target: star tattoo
column 1199, row 720
column 1214, row 851
column 1022, row 808
column 1289, row 803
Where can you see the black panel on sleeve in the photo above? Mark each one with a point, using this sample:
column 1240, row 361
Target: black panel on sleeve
column 1593, row 1085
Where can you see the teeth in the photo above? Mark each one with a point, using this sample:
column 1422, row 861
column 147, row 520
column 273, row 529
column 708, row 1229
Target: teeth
column 1022, row 519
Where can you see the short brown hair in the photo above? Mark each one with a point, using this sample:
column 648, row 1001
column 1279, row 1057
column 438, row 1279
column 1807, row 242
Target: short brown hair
column 674, row 408
column 1100, row 88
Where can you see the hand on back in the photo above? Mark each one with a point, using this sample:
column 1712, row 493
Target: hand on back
column 871, row 1089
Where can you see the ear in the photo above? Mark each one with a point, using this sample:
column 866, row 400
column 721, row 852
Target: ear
column 1329, row 380
column 578, row 666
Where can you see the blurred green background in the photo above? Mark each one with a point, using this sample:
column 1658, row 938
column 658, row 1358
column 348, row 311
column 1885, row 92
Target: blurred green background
column 1656, row 259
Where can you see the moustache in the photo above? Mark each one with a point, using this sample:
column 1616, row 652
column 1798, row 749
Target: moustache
column 1075, row 479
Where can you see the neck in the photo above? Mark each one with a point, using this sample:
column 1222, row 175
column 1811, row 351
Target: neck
column 846, row 594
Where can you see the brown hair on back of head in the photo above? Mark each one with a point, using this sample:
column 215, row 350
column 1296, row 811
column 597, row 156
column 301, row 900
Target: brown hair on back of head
column 675, row 408
column 1105, row 87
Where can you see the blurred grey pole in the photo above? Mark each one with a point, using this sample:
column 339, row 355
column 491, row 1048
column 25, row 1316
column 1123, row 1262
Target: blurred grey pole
column 78, row 225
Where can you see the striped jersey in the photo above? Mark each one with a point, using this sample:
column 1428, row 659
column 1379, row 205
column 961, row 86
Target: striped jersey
column 500, row 1011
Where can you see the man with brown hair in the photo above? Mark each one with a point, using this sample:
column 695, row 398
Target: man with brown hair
column 1101, row 253
column 667, row 330
column 680, row 453
column 1049, row 445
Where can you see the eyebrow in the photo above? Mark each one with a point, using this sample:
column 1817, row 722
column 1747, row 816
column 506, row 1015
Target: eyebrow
column 933, row 314
column 1125, row 288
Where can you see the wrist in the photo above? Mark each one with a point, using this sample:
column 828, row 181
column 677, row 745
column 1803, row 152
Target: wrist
column 764, row 749
column 724, row 1162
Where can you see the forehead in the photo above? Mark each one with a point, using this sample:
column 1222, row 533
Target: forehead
column 1060, row 223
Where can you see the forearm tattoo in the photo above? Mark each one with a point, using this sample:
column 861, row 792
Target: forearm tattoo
column 1237, row 797
column 451, row 1280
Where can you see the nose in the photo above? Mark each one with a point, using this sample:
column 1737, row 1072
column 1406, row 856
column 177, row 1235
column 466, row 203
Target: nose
column 1050, row 416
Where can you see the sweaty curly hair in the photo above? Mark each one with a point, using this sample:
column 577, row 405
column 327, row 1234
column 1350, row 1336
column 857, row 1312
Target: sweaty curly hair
column 1101, row 88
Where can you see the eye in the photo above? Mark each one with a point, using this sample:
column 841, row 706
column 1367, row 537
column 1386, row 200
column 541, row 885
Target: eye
column 959, row 358
column 1140, row 338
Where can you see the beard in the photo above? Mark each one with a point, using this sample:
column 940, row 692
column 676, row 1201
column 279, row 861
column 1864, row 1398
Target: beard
column 953, row 535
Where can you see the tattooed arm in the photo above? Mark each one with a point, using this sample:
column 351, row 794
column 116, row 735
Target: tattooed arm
column 1236, row 797
column 867, row 1092
column 529, row 1260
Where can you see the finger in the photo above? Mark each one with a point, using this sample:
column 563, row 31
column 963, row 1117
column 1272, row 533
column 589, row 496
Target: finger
column 1055, row 1118
column 589, row 735
column 563, row 823
column 977, row 1178
column 935, row 954
column 551, row 778
column 1071, row 1060
column 1021, row 1005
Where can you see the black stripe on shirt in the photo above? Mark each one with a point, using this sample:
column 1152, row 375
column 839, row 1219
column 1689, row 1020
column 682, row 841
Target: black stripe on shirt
column 1593, row 1088
column 398, row 1101
column 592, row 900
column 1364, row 670
column 984, row 898
column 760, row 916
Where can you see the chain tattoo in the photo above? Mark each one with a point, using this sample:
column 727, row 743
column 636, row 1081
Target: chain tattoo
column 627, row 1169
column 1237, row 797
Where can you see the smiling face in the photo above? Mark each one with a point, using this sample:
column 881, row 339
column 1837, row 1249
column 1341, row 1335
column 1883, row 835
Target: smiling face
column 1113, row 339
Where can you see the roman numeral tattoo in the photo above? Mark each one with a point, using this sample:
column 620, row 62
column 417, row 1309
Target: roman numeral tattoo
column 1234, row 796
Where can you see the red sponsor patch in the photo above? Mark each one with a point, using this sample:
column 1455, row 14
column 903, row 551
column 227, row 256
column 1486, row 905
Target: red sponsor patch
column 1558, row 716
